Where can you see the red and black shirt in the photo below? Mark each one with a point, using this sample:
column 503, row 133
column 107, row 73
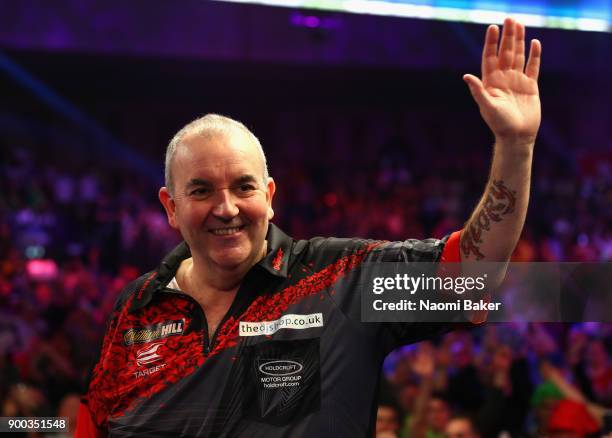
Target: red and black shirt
column 290, row 358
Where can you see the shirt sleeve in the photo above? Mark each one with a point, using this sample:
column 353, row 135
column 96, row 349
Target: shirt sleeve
column 347, row 292
column 85, row 427
column 95, row 407
column 446, row 250
column 451, row 254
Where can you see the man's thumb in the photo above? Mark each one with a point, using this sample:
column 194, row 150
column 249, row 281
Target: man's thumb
column 476, row 88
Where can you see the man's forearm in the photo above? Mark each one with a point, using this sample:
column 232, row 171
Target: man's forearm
column 496, row 223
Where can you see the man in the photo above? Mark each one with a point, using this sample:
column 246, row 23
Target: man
column 461, row 426
column 243, row 331
column 387, row 420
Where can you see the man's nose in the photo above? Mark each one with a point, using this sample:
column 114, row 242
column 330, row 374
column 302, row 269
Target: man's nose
column 225, row 205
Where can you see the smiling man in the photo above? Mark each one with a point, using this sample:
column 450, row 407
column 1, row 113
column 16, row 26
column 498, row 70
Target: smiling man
column 219, row 196
column 243, row 331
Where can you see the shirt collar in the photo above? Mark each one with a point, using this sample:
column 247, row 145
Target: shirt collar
column 276, row 262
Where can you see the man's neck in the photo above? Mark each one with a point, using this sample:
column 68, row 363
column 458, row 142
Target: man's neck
column 201, row 275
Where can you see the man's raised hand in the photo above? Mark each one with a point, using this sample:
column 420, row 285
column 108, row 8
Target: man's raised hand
column 508, row 95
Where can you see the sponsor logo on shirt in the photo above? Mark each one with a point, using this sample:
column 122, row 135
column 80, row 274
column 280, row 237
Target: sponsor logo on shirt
column 141, row 335
column 289, row 321
column 276, row 374
column 281, row 367
column 148, row 355
column 148, row 371
column 145, row 357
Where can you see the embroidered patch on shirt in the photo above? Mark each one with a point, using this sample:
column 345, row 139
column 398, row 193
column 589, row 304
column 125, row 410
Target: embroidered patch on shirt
column 278, row 260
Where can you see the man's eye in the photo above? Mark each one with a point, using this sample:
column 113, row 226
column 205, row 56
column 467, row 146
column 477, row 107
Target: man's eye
column 200, row 192
column 244, row 188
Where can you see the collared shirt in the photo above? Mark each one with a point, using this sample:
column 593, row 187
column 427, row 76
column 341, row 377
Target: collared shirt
column 290, row 358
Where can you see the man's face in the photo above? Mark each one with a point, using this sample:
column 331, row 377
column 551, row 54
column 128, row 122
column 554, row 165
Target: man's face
column 460, row 428
column 386, row 419
column 220, row 204
column 438, row 414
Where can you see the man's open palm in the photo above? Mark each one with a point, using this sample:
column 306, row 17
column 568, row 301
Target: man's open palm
column 508, row 94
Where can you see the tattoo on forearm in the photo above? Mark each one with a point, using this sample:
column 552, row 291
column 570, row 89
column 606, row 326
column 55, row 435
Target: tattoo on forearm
column 499, row 202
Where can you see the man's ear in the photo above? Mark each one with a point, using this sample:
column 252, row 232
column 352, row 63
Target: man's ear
column 271, row 189
column 168, row 202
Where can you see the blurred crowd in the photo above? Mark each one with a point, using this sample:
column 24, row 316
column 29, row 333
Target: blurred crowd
column 551, row 380
column 73, row 234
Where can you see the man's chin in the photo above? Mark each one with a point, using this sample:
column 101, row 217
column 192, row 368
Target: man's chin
column 229, row 265
column 229, row 262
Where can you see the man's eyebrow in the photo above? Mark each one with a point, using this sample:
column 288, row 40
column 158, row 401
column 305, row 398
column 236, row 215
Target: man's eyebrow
column 245, row 179
column 198, row 182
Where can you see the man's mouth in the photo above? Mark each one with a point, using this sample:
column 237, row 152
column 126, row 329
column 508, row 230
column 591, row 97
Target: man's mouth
column 227, row 231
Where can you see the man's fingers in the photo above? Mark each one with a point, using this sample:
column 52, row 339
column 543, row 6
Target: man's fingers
column 519, row 48
column 535, row 55
column 489, row 52
column 476, row 88
column 506, row 47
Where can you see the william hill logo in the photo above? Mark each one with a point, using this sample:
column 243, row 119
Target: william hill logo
column 140, row 335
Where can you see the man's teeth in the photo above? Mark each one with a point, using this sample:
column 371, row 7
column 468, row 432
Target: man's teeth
column 225, row 231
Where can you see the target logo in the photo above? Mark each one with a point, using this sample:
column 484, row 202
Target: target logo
column 148, row 355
